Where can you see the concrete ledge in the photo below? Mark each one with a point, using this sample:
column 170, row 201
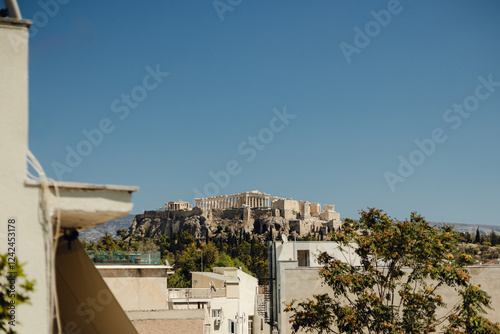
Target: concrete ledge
column 8, row 21
column 83, row 205
column 170, row 314
column 133, row 271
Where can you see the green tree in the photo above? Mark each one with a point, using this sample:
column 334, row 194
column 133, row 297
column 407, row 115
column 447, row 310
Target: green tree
column 394, row 287
column 478, row 237
column 107, row 243
column 224, row 261
column 121, row 233
column 493, row 238
column 189, row 261
column 148, row 245
column 10, row 296
column 210, row 255
column 88, row 245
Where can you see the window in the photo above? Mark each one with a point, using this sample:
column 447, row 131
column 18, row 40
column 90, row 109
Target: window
column 233, row 329
column 216, row 313
column 250, row 325
column 303, row 257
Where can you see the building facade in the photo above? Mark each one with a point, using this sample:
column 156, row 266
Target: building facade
column 296, row 278
column 228, row 296
column 43, row 213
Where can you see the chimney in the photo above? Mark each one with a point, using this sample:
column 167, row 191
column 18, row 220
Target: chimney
column 13, row 97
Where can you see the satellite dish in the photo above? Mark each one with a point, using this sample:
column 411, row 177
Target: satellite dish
column 284, row 238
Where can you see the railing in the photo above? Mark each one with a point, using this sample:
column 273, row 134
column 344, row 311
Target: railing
column 263, row 301
column 124, row 257
column 200, row 293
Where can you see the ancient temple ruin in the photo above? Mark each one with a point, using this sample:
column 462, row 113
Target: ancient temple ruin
column 305, row 217
column 251, row 199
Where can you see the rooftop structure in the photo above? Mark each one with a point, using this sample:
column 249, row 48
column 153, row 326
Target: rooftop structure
column 45, row 216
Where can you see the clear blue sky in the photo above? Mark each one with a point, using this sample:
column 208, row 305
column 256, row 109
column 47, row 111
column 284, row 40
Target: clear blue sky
column 362, row 87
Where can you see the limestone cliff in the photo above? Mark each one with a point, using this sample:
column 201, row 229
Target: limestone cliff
column 202, row 223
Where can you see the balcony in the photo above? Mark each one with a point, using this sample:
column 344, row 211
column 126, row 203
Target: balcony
column 124, row 257
column 200, row 293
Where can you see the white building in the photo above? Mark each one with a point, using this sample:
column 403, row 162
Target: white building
column 69, row 295
column 228, row 296
column 296, row 274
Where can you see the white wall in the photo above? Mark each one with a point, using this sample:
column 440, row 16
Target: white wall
column 17, row 200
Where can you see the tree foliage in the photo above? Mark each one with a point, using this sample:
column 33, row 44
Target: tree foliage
column 14, row 290
column 185, row 252
column 395, row 285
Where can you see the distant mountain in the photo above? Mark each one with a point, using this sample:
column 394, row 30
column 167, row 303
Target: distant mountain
column 471, row 228
column 97, row 232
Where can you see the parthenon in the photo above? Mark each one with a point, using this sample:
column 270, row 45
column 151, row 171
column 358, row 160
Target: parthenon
column 252, row 199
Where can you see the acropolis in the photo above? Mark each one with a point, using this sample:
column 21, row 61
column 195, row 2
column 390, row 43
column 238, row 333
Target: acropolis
column 289, row 208
column 252, row 211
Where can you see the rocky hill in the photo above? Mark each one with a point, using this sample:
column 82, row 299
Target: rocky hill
column 155, row 223
column 202, row 224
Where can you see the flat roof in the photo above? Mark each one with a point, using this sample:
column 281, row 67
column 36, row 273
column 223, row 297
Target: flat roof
column 132, row 266
column 85, row 186
column 221, row 277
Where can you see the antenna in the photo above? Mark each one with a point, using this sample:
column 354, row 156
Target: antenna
column 13, row 9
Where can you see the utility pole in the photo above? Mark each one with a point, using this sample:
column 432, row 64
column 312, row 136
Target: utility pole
column 272, row 281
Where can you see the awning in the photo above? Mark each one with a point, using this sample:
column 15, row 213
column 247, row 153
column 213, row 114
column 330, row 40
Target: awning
column 86, row 305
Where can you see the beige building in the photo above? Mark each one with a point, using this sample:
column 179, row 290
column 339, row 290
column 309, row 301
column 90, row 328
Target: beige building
column 69, row 295
column 137, row 287
column 297, row 278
